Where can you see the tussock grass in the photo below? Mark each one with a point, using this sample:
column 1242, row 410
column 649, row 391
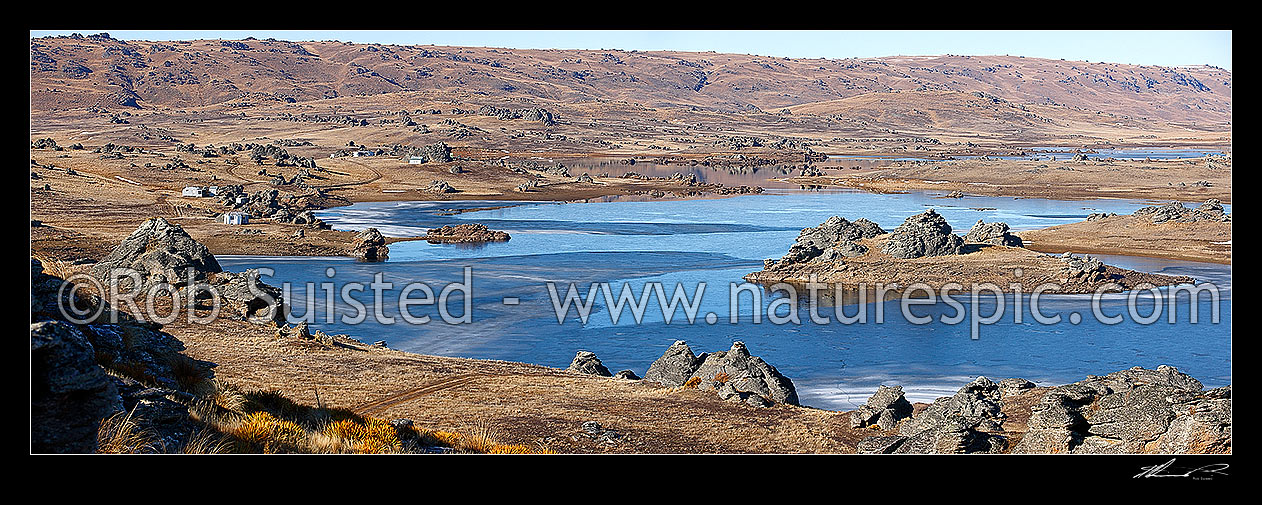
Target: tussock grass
column 121, row 434
column 269, row 422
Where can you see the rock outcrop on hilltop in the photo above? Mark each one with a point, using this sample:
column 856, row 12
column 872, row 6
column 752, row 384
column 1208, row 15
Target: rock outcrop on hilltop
column 924, row 234
column 1131, row 411
column 160, row 252
column 995, row 233
column 465, row 234
column 369, row 245
column 1175, row 212
column 734, row 374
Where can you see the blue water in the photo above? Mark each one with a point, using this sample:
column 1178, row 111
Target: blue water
column 834, row 365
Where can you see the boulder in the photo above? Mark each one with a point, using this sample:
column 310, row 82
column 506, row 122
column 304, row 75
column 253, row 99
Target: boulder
column 1131, row 411
column 674, row 367
column 924, row 234
column 586, row 362
column 977, row 404
column 160, row 252
column 995, row 233
column 70, row 392
column 369, row 245
column 954, row 435
column 883, row 409
column 626, row 374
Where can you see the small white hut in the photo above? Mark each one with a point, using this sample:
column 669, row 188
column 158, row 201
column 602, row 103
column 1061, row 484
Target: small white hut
column 194, row 191
column 236, row 218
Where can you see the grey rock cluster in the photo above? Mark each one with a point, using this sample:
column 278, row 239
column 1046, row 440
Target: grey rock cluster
column 439, row 186
column 536, row 114
column 1096, row 216
column 734, row 374
column 268, row 203
column 883, row 409
column 1175, row 212
column 1083, row 268
column 835, row 238
column 995, row 233
column 924, row 234
column 370, row 245
column 1131, row 411
column 70, row 392
column 958, row 424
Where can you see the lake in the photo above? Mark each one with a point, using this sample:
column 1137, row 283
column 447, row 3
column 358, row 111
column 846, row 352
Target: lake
column 717, row 241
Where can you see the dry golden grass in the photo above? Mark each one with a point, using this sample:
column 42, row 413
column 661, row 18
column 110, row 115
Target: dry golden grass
column 121, row 434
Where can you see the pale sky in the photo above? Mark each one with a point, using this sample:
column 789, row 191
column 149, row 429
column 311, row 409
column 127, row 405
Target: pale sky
column 1141, row 47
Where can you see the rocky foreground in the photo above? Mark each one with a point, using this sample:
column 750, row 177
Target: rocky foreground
column 1126, row 412
column 924, row 249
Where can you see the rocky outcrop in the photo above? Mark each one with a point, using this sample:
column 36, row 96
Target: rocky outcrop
column 966, row 422
column 675, row 366
column 160, row 252
column 465, row 234
column 439, row 186
column 924, row 234
column 586, row 362
column 70, row 393
column 1131, row 411
column 1083, row 268
column 627, row 374
column 1175, row 212
column 883, row 409
column 734, row 374
column 369, row 245
column 834, row 238
column 995, row 233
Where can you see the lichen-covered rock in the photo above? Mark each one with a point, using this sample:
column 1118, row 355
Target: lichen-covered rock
column 586, row 362
column 1083, row 268
column 977, row 404
column 465, row 233
column 1013, row 387
column 1131, row 411
column 924, row 234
